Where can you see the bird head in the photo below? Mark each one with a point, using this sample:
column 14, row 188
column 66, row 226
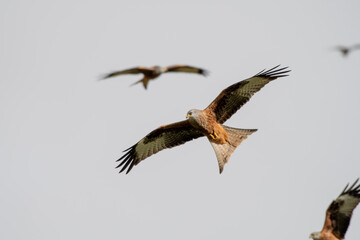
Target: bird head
column 315, row 235
column 189, row 113
column 159, row 69
column 193, row 113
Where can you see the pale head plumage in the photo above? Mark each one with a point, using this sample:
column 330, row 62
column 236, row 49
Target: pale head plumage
column 198, row 119
column 193, row 114
column 158, row 70
column 315, row 235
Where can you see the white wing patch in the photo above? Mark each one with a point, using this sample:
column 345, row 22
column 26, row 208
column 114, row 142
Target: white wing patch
column 349, row 203
column 145, row 150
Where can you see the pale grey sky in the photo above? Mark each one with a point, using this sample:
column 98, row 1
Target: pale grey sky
column 62, row 130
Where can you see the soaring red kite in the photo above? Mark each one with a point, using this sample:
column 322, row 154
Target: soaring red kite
column 156, row 71
column 207, row 122
column 338, row 214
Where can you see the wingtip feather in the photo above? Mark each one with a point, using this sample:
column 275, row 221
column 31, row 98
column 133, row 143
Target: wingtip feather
column 127, row 160
column 204, row 72
column 353, row 190
column 274, row 72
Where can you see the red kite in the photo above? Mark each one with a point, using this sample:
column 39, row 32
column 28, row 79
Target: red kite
column 346, row 50
column 156, row 71
column 207, row 122
column 338, row 214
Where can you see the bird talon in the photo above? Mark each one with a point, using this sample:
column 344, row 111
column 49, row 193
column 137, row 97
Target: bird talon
column 213, row 135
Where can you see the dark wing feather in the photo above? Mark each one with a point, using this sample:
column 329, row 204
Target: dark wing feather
column 135, row 70
column 186, row 68
column 340, row 211
column 167, row 136
column 234, row 97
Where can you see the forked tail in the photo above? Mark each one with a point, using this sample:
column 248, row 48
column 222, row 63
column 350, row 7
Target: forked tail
column 224, row 151
column 144, row 81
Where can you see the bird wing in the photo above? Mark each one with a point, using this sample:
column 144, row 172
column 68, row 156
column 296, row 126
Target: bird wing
column 167, row 136
column 356, row 46
column 135, row 70
column 338, row 214
column 186, row 68
column 234, row 97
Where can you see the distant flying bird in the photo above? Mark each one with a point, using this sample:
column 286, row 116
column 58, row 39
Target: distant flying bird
column 154, row 72
column 207, row 122
column 338, row 214
column 346, row 50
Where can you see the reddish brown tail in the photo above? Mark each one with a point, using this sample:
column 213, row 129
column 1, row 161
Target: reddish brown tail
column 224, row 151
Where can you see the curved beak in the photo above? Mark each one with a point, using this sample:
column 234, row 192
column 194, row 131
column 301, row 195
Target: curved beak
column 187, row 115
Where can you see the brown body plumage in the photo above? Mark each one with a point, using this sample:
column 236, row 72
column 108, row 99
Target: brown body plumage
column 151, row 73
column 207, row 122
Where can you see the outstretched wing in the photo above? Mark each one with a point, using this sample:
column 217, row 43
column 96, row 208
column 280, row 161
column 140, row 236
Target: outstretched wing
column 135, row 70
column 338, row 214
column 234, row 97
column 356, row 46
column 167, row 136
column 186, row 68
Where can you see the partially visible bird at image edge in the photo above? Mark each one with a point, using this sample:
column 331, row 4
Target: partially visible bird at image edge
column 338, row 214
column 207, row 122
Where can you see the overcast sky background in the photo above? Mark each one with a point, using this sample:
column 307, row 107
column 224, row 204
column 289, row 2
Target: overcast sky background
column 61, row 130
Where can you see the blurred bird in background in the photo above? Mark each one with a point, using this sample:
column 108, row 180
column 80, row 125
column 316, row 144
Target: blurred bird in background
column 154, row 72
